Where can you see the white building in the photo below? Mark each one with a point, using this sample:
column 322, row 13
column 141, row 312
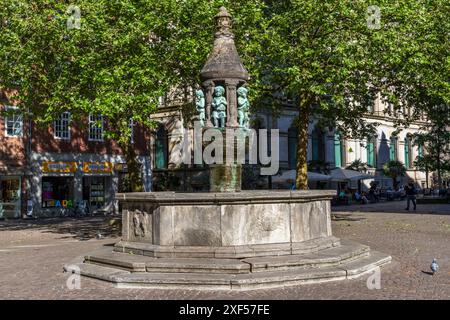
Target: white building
column 329, row 148
column 323, row 146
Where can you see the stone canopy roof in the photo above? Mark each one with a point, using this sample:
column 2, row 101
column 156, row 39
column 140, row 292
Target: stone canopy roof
column 224, row 61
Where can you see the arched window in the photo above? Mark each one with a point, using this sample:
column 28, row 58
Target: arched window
column 420, row 150
column 161, row 148
column 292, row 147
column 338, row 150
column 318, row 145
column 407, row 152
column 393, row 149
column 371, row 152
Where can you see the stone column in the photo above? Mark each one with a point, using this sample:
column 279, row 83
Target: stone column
column 329, row 149
column 209, row 89
column 232, row 103
column 227, row 176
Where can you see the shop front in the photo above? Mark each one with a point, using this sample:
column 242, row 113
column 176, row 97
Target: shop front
column 10, row 199
column 57, row 192
column 58, row 185
column 97, row 186
column 88, row 182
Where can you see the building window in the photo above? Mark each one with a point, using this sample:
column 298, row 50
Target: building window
column 371, row 158
column 62, row 126
column 292, row 147
column 371, row 107
column 318, row 145
column 57, row 192
column 420, row 151
column 393, row 149
column 338, row 150
column 95, row 127
column 407, row 152
column 13, row 123
column 161, row 149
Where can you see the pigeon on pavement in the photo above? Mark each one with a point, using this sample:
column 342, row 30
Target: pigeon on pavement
column 434, row 266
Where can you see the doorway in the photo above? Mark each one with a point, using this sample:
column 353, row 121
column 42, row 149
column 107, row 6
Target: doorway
column 94, row 192
column 10, row 188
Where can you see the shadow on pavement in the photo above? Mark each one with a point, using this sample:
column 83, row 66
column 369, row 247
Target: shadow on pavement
column 70, row 228
column 394, row 207
column 428, row 272
column 346, row 217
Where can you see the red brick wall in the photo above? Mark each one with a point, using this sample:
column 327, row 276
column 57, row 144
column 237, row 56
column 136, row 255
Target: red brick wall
column 12, row 149
column 44, row 141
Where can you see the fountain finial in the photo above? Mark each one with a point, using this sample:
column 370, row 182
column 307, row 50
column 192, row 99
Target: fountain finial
column 224, row 23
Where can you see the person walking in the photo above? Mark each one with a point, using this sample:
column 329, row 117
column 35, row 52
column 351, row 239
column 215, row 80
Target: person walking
column 411, row 192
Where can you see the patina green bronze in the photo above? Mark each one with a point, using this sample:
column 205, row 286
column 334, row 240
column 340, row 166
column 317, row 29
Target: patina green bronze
column 200, row 105
column 226, row 104
column 243, row 107
column 219, row 107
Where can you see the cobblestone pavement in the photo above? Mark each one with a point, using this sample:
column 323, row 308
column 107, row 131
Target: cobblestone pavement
column 32, row 254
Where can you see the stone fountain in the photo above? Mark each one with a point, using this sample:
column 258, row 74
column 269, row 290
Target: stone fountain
column 227, row 238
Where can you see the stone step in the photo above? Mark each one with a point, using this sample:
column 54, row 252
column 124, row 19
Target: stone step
column 258, row 280
column 227, row 252
column 137, row 263
column 368, row 264
column 355, row 268
column 228, row 282
column 95, row 271
column 127, row 262
column 328, row 257
column 233, row 266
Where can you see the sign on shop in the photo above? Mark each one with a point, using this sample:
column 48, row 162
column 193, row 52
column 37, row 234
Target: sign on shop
column 97, row 167
column 59, row 167
column 58, row 204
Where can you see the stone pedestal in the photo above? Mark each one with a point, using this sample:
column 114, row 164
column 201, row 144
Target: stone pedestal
column 225, row 178
column 222, row 224
column 227, row 241
column 227, row 175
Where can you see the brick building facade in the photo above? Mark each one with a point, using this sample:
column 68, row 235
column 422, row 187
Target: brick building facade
column 46, row 169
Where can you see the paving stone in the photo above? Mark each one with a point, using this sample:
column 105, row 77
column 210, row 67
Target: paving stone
column 413, row 239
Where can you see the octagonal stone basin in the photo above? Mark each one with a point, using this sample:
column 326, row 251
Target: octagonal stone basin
column 228, row 225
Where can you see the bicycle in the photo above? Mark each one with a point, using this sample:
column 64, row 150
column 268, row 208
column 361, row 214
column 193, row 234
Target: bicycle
column 66, row 212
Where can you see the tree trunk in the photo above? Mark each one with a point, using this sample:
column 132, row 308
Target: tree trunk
column 438, row 167
column 133, row 179
column 302, row 144
column 133, row 168
column 394, row 182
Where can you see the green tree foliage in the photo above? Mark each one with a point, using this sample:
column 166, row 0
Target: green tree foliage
column 358, row 165
column 394, row 169
column 435, row 139
column 118, row 61
column 415, row 71
column 335, row 57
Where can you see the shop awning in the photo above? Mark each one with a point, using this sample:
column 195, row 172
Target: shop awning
column 340, row 174
column 292, row 174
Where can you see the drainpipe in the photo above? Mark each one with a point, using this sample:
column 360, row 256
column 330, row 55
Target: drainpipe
column 29, row 176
